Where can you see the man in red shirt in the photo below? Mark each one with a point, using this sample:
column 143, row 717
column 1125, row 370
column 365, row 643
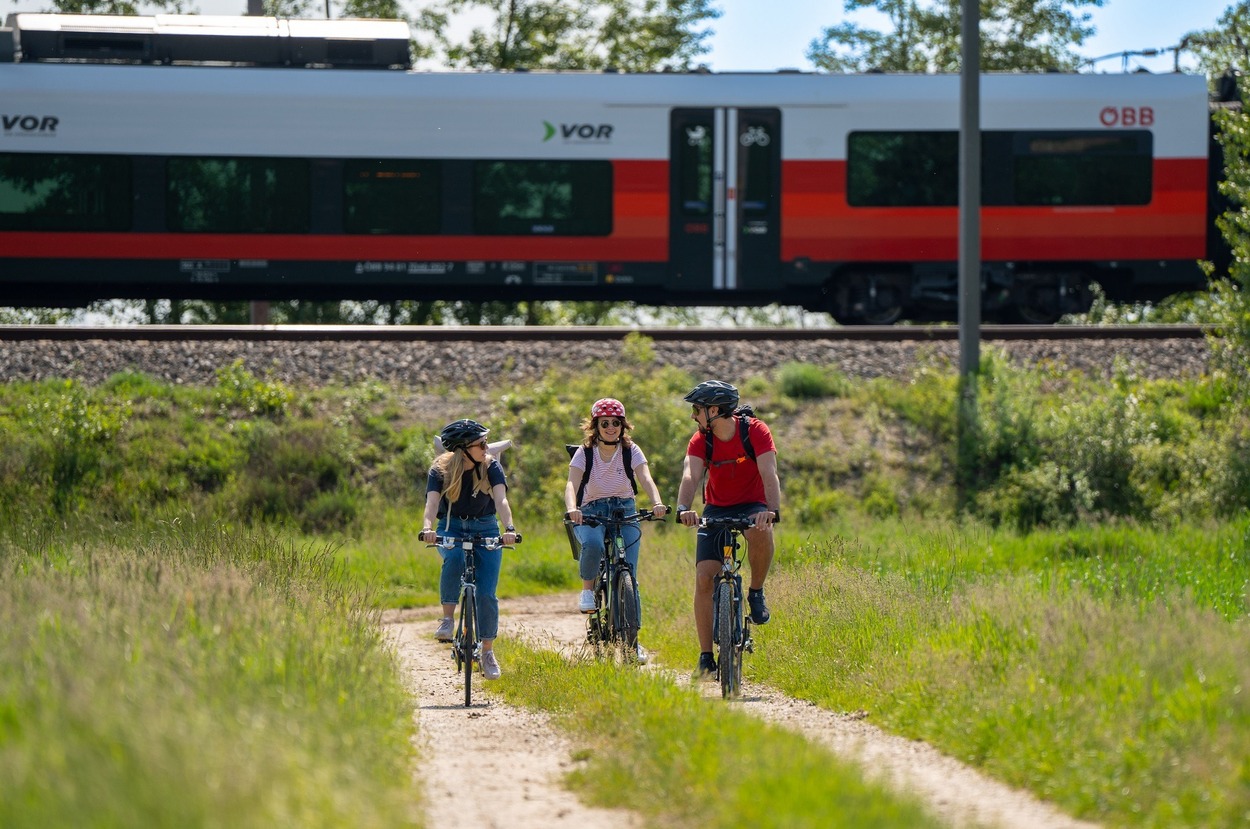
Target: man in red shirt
column 741, row 481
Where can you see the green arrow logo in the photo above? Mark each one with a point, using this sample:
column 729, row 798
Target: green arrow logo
column 551, row 130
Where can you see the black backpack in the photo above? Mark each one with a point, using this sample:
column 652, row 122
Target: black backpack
column 628, row 458
column 745, row 415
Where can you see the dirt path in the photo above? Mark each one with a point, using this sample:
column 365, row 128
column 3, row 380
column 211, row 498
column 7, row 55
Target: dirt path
column 522, row 758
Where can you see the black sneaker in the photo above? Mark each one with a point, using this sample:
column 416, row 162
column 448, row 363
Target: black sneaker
column 707, row 666
column 759, row 610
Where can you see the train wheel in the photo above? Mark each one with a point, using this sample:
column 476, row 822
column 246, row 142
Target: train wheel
column 871, row 299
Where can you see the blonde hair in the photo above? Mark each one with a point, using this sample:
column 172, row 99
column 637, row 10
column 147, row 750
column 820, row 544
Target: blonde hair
column 451, row 466
column 592, row 434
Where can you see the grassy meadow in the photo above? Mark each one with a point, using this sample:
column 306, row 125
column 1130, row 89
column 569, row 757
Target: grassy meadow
column 190, row 578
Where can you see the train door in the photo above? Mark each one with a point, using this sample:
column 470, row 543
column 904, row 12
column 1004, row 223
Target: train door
column 725, row 215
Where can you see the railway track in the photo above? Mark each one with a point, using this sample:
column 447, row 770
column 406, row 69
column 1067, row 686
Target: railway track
column 500, row 333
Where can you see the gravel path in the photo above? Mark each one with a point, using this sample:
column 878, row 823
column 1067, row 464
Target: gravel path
column 523, row 758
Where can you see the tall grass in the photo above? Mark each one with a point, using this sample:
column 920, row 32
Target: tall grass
column 683, row 761
column 193, row 676
column 1104, row 669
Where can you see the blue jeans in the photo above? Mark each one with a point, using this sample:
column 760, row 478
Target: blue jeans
column 591, row 538
column 488, row 563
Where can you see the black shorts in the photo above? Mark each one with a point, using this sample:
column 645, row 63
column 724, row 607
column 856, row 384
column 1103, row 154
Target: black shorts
column 709, row 547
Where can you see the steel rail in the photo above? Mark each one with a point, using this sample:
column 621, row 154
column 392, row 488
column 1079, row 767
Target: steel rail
column 499, row 333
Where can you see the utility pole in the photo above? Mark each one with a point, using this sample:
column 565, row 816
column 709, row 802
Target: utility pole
column 969, row 242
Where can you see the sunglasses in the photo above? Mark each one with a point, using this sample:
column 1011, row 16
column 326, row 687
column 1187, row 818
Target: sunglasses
column 697, row 409
column 481, row 444
column 613, row 424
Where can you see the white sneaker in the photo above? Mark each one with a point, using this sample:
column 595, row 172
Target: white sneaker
column 443, row 634
column 643, row 656
column 586, row 604
column 490, row 665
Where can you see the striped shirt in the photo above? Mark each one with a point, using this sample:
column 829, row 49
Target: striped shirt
column 607, row 478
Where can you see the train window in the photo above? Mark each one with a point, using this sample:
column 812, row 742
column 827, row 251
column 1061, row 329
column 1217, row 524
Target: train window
column 45, row 191
column 695, row 163
column 238, row 195
column 1082, row 168
column 392, row 196
column 902, row 169
column 757, row 184
column 556, row 198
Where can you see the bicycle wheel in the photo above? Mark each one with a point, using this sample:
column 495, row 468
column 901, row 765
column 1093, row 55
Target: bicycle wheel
column 599, row 630
column 626, row 613
column 468, row 640
column 727, row 663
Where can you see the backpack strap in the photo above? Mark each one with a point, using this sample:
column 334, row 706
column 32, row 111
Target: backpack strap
column 589, row 455
column 745, row 415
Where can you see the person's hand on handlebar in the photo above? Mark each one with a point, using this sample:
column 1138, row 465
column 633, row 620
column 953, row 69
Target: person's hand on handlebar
column 428, row 536
column 687, row 516
column 574, row 515
column 660, row 510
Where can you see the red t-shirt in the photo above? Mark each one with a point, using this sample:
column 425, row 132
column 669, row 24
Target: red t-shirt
column 733, row 483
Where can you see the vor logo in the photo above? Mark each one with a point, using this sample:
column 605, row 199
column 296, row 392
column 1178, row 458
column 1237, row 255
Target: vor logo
column 29, row 124
column 578, row 132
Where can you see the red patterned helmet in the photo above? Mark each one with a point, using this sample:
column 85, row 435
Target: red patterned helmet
column 607, row 407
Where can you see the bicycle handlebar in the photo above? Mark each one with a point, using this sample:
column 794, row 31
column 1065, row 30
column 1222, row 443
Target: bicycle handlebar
column 592, row 521
column 728, row 523
column 490, row 542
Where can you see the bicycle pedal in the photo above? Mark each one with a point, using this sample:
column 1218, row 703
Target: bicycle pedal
column 749, row 646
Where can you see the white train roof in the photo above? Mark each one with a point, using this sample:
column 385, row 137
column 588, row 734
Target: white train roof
column 199, row 110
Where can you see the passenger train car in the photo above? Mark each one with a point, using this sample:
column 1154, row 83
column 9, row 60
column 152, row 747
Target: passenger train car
column 129, row 168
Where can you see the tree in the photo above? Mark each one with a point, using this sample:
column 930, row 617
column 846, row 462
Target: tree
column 1019, row 35
column 1225, row 47
column 630, row 35
column 1224, row 52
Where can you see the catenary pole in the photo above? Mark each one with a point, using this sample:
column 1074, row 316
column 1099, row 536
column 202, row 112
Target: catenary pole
column 970, row 190
column 967, row 427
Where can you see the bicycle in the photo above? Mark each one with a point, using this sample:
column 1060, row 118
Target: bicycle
column 466, row 646
column 615, row 621
column 731, row 625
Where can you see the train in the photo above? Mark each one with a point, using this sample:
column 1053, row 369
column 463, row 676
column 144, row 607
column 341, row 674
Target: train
column 221, row 158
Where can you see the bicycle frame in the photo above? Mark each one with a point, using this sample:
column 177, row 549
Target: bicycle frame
column 731, row 626
column 466, row 642
column 617, row 614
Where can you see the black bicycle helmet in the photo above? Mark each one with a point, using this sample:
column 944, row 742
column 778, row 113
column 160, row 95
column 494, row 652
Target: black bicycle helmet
column 714, row 393
column 461, row 433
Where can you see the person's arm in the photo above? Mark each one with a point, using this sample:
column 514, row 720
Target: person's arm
column 767, row 464
column 570, row 494
column 499, row 492
column 691, row 473
column 431, row 516
column 643, row 473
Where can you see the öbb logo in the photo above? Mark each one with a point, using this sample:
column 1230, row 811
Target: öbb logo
column 30, row 124
column 1127, row 116
column 578, row 132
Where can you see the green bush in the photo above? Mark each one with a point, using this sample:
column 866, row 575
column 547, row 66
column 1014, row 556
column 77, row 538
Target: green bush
column 804, row 381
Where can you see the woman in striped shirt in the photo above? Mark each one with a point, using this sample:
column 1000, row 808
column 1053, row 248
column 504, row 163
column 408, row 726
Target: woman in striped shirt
column 617, row 468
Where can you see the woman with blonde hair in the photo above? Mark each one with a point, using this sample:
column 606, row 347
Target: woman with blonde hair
column 467, row 494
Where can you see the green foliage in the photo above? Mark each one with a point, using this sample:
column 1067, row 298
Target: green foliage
column 587, row 34
column 238, row 389
column 804, row 381
column 1015, row 36
column 1054, row 448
